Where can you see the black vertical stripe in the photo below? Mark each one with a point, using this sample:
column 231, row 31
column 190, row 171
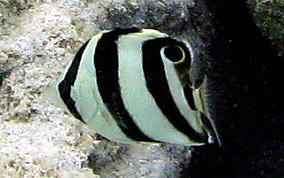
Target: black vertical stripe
column 106, row 64
column 189, row 97
column 65, row 85
column 158, row 86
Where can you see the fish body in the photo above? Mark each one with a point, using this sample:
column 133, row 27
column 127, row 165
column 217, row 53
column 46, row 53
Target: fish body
column 132, row 85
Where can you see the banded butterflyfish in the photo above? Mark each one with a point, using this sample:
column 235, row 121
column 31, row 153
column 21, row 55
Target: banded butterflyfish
column 132, row 85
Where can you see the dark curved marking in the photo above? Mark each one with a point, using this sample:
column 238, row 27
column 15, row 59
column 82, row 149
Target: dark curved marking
column 189, row 97
column 65, row 85
column 106, row 64
column 158, row 86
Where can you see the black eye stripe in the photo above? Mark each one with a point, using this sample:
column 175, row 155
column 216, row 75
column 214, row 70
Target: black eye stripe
column 158, row 86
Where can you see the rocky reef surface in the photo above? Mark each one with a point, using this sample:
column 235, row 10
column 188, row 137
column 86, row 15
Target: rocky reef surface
column 37, row 40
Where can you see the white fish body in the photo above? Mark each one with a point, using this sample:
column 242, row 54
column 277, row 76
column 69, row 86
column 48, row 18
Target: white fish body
column 109, row 86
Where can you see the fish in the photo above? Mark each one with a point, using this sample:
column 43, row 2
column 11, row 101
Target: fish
column 133, row 85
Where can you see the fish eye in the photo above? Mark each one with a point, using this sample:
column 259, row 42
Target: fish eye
column 174, row 53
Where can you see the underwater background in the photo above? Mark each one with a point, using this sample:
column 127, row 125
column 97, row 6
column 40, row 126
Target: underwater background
column 37, row 40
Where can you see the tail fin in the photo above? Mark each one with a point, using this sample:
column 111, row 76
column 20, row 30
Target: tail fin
column 52, row 95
